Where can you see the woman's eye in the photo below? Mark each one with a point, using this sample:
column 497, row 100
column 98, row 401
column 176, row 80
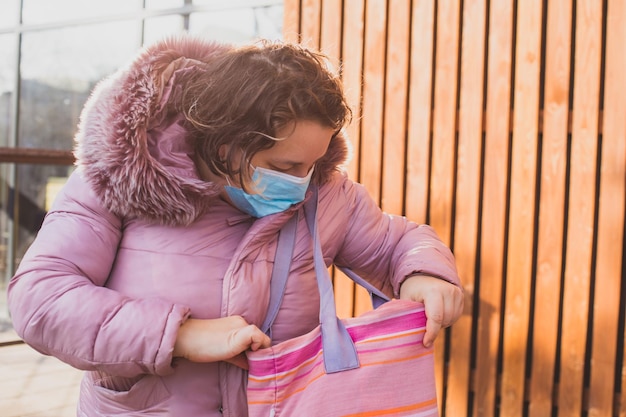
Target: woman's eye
column 280, row 169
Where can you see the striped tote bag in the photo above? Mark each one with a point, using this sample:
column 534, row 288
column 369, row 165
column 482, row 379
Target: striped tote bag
column 372, row 365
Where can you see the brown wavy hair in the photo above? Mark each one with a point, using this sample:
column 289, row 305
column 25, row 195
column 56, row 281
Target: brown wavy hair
column 248, row 93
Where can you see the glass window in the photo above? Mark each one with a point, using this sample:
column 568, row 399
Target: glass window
column 7, row 85
column 239, row 25
column 36, row 189
column 164, row 4
column 59, row 69
column 159, row 27
column 234, row 25
column 6, row 218
column 9, row 16
column 47, row 11
column 269, row 22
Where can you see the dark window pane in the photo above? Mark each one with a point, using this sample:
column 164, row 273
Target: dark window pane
column 6, row 271
column 7, row 85
column 59, row 69
column 37, row 187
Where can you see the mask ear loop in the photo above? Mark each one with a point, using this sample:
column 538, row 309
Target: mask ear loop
column 255, row 183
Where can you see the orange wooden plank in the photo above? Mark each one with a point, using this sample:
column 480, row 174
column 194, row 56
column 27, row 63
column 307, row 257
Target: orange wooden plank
column 581, row 204
column 310, row 29
column 522, row 205
column 291, row 20
column 396, row 91
column 611, row 218
column 330, row 32
column 494, row 205
column 444, row 118
column 443, row 145
column 552, row 201
column 419, row 124
column 373, row 100
column 352, row 76
column 467, row 198
column 373, row 96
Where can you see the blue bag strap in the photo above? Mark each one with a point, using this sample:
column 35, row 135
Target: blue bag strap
column 339, row 351
column 280, row 272
column 378, row 297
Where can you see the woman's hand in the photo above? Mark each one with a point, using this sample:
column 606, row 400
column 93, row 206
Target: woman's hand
column 223, row 339
column 443, row 302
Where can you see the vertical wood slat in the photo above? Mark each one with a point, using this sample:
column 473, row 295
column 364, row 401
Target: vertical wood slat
column 443, row 143
column 551, row 208
column 615, row 70
column 467, row 198
column 581, row 205
column 522, row 205
column 373, row 110
column 444, row 118
column 310, row 23
column 331, row 39
column 351, row 73
column 494, row 205
column 331, row 30
column 291, row 20
column 396, row 88
column 419, row 123
column 606, row 306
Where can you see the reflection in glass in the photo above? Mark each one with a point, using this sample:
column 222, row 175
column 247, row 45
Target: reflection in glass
column 59, row 69
column 160, row 27
column 47, row 11
column 6, row 216
column 36, row 189
column 7, row 85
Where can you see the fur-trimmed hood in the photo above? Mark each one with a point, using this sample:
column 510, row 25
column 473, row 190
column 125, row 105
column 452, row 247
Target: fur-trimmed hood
column 131, row 145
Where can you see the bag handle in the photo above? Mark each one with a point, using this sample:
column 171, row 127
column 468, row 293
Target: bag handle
column 339, row 350
column 280, row 272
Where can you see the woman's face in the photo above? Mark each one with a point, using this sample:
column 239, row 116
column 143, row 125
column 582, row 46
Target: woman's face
column 304, row 143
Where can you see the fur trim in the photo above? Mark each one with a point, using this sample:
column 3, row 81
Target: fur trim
column 111, row 146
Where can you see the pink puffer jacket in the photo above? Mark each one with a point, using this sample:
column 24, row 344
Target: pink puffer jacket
column 136, row 243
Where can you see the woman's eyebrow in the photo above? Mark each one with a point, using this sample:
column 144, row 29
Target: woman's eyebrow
column 284, row 162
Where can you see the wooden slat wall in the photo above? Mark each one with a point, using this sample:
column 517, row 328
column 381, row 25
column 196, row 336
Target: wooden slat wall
column 502, row 123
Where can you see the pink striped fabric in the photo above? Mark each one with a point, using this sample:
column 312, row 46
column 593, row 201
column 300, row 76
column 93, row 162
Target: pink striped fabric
column 395, row 377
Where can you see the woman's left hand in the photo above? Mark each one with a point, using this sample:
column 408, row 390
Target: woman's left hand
column 443, row 302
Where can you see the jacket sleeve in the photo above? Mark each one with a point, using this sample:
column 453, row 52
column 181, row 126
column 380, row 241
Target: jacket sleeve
column 60, row 305
column 385, row 249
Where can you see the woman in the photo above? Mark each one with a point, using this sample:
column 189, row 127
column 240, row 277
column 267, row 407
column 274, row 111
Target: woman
column 151, row 271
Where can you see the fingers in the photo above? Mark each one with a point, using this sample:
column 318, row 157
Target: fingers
column 249, row 337
column 434, row 309
column 258, row 339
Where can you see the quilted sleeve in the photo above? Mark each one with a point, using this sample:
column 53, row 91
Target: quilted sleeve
column 59, row 304
column 383, row 248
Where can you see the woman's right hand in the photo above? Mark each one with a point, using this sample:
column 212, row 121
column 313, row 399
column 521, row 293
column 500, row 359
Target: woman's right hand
column 223, row 339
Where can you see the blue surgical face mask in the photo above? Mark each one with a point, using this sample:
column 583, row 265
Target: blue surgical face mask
column 275, row 192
